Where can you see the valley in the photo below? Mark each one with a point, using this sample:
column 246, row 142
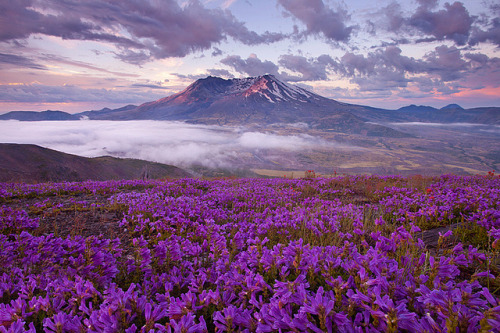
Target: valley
column 429, row 151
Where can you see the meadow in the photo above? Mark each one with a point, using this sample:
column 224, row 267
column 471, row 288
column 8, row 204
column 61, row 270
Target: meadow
column 315, row 254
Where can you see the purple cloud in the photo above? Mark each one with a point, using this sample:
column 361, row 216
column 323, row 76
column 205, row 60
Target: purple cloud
column 491, row 34
column 453, row 22
column 141, row 30
column 216, row 52
column 320, row 19
column 52, row 58
column 148, row 85
column 251, row 66
column 428, row 4
column 210, row 72
column 311, row 70
column 388, row 68
column 483, row 71
column 19, row 61
column 67, row 25
column 381, row 70
column 189, row 77
column 481, row 59
column 37, row 93
column 447, row 62
column 442, row 70
column 352, row 64
column 220, row 72
column 394, row 17
column 392, row 57
column 384, row 60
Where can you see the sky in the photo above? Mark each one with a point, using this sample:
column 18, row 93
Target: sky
column 74, row 55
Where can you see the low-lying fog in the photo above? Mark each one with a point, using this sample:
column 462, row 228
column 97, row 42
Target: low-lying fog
column 160, row 141
column 450, row 125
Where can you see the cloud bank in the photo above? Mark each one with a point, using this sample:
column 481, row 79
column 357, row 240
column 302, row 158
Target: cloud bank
column 160, row 141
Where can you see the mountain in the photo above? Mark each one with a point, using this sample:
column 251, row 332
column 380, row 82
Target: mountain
column 60, row 115
column 261, row 100
column 38, row 116
column 452, row 107
column 31, row 163
column 416, row 108
column 105, row 111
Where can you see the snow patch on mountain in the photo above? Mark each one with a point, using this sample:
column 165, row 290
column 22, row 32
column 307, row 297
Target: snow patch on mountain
column 270, row 88
column 269, row 98
column 276, row 91
column 299, row 91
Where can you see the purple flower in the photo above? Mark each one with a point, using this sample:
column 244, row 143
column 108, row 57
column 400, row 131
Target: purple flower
column 357, row 297
column 188, row 324
column 319, row 304
column 62, row 322
column 131, row 329
column 224, row 320
column 18, row 327
column 446, row 234
column 489, row 297
column 154, row 314
column 379, row 221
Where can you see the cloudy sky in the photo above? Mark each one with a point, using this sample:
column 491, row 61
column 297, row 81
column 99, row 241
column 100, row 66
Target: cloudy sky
column 75, row 55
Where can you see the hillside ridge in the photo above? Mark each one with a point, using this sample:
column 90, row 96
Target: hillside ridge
column 32, row 163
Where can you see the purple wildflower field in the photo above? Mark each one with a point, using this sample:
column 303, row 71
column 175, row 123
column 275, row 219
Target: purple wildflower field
column 336, row 254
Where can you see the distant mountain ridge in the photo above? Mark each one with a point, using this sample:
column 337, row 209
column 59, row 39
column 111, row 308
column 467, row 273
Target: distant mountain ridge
column 452, row 113
column 32, row 163
column 38, row 116
column 266, row 100
column 420, row 108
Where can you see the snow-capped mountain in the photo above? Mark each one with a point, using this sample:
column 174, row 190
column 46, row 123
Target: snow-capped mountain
column 256, row 100
column 266, row 87
column 216, row 100
column 273, row 90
